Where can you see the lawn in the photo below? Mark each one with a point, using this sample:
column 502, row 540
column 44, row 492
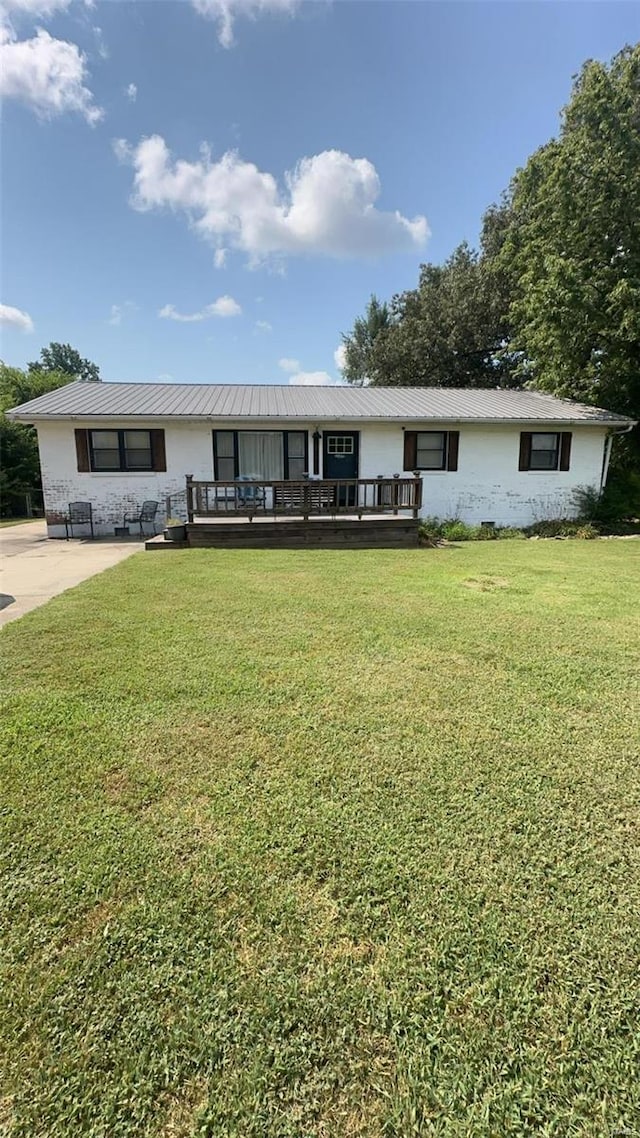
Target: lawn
column 324, row 845
column 4, row 522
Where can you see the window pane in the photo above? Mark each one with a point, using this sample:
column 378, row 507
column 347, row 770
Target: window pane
column 541, row 441
column 296, row 444
column 297, row 468
column 106, row 440
column 431, row 440
column 340, row 444
column 261, row 454
column 137, row 440
column 138, row 459
column 106, row 459
column 224, row 444
column 430, row 460
column 226, row 469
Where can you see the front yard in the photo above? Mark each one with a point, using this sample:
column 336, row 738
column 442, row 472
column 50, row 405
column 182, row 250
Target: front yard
column 325, row 845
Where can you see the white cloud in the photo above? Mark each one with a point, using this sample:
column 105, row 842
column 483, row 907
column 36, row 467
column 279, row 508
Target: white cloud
column 131, row 92
column 220, row 258
column 340, row 357
column 46, row 74
column 15, row 318
column 103, row 50
column 164, row 377
column 225, row 13
column 119, row 310
column 36, row 9
column 224, row 306
column 263, row 326
column 312, row 379
column 289, row 364
column 327, row 205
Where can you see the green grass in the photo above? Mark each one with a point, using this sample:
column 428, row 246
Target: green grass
column 324, row 845
column 16, row 521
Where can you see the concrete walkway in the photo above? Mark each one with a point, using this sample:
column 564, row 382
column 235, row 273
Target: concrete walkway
column 34, row 568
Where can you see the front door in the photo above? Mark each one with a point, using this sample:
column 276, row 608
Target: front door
column 340, row 460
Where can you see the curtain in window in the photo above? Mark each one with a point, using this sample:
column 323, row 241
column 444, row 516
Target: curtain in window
column 261, row 454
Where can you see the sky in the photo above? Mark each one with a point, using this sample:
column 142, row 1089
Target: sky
column 209, row 190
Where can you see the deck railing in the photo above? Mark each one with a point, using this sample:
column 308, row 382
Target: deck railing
column 310, row 497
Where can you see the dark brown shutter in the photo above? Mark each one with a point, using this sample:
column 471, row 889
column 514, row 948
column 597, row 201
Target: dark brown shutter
column 410, row 450
column 565, row 450
column 158, row 452
column 453, row 444
column 525, row 450
column 82, row 450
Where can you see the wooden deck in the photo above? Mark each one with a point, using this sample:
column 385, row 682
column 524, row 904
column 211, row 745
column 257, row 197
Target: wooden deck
column 379, row 532
column 360, row 513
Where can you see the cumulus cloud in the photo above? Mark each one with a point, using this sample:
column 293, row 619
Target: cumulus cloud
column 224, row 306
column 340, row 357
column 312, row 379
column 46, row 74
column 289, row 364
column 263, row 326
column 131, row 92
column 326, row 205
column 220, row 258
column 225, row 13
column 15, row 318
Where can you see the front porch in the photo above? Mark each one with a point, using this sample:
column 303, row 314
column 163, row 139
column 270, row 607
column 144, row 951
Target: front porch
column 358, row 512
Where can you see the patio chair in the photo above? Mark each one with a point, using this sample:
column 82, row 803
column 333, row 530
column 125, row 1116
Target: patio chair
column 80, row 514
column 147, row 514
column 248, row 496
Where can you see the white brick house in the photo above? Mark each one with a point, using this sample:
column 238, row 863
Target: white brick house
column 511, row 457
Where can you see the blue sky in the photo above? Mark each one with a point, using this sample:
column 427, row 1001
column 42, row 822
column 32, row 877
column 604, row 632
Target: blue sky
column 298, row 157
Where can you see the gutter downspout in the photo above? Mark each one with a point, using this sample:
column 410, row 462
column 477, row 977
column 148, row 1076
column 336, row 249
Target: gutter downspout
column 607, row 452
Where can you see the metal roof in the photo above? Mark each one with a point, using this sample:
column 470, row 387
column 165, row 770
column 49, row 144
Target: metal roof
column 88, row 400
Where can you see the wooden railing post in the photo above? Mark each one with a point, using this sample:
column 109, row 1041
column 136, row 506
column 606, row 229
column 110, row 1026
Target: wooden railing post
column 417, row 493
column 190, row 497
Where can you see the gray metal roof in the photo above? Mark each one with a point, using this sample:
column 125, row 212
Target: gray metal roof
column 86, row 400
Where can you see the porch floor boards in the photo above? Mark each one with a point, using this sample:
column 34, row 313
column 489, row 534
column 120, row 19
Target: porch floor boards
column 371, row 532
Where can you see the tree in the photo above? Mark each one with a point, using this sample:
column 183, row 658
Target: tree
column 572, row 246
column 64, row 358
column 20, row 470
column 450, row 331
column 360, row 364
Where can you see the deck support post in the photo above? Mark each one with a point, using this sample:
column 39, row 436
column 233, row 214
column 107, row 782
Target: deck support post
column 190, row 497
column 417, row 493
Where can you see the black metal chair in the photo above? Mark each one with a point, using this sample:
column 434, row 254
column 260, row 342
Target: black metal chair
column 80, row 514
column 146, row 515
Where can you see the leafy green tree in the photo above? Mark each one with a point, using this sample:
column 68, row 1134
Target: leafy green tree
column 20, row 462
column 572, row 246
column 448, row 332
column 64, row 358
column 360, row 359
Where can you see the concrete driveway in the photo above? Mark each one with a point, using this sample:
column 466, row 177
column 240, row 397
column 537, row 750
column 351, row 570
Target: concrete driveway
column 34, row 568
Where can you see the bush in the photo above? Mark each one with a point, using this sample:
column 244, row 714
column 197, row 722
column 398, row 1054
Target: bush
column 618, row 502
column 587, row 532
column 432, row 530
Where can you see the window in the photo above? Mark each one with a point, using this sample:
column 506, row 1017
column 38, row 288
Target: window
column 545, row 450
column 263, row 455
column 340, row 444
column 431, row 450
column 120, row 450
